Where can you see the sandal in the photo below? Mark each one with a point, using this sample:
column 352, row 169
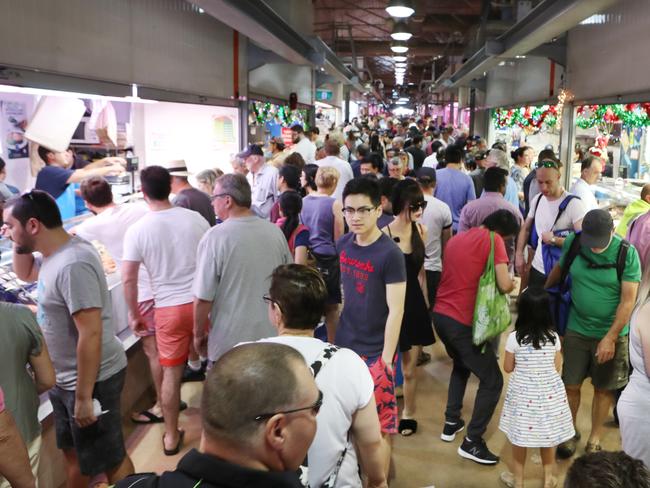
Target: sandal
column 175, row 450
column 152, row 418
column 508, row 479
column 407, row 427
column 551, row 483
column 592, row 447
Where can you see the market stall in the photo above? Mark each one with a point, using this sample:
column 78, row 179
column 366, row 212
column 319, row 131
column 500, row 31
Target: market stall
column 268, row 119
column 534, row 126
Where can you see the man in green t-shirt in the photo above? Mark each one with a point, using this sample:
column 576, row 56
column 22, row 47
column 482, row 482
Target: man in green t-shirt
column 595, row 344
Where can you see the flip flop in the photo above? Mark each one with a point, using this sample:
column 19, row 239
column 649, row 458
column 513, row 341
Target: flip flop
column 175, row 450
column 152, row 418
column 407, row 427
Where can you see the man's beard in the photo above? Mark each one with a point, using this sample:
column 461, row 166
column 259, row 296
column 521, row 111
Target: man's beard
column 23, row 249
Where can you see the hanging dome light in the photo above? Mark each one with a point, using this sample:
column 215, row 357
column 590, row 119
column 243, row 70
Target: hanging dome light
column 401, row 32
column 400, row 64
column 399, row 47
column 400, row 71
column 400, row 9
column 399, row 58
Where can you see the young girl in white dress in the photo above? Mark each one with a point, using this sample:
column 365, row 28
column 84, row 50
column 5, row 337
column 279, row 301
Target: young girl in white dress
column 535, row 411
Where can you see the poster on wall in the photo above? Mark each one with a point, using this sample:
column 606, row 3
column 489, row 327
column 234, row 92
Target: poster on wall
column 14, row 122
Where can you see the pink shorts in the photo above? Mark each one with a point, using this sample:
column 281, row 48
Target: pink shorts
column 174, row 330
column 146, row 309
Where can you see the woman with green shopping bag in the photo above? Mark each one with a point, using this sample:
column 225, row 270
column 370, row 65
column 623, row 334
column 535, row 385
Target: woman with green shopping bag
column 475, row 267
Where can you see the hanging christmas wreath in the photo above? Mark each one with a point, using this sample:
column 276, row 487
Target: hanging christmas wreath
column 531, row 119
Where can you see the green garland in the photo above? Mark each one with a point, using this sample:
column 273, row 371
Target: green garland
column 266, row 111
column 604, row 116
column 528, row 118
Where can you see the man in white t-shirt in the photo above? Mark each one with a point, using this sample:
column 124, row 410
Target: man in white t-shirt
column 165, row 241
column 544, row 215
column 302, row 144
column 590, row 170
column 437, row 219
column 108, row 226
column 332, row 159
column 348, row 417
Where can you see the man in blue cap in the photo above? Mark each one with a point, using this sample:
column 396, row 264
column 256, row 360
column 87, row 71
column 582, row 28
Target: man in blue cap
column 263, row 179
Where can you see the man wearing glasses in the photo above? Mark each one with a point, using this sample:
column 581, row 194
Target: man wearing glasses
column 262, row 178
column 259, row 410
column 550, row 218
column 373, row 275
column 234, row 264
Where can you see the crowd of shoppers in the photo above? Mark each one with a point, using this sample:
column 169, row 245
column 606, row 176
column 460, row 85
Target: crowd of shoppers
column 376, row 243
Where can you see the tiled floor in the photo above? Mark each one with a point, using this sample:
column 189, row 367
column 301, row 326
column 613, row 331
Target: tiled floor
column 422, row 460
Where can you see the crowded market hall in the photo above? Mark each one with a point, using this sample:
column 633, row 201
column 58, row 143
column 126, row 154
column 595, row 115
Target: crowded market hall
column 325, row 244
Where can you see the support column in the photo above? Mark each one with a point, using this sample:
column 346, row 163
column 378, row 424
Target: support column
column 567, row 142
column 472, row 110
column 346, row 105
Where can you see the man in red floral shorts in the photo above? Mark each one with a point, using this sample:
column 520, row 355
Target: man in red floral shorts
column 373, row 274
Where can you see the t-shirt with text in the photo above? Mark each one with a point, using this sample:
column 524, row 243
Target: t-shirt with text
column 365, row 272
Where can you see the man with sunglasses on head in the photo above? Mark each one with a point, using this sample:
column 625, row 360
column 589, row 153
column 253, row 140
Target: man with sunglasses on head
column 235, row 262
column 373, row 276
column 258, row 410
column 165, row 241
column 554, row 213
column 74, row 313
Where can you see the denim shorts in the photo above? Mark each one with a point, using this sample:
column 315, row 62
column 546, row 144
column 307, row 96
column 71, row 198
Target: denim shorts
column 100, row 446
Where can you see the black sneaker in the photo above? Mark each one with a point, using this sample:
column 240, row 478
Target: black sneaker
column 451, row 429
column 192, row 375
column 477, row 451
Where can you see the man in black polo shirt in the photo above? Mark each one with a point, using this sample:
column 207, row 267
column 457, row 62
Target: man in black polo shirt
column 259, row 411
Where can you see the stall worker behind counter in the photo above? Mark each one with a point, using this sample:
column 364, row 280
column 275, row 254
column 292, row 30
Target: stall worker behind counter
column 57, row 178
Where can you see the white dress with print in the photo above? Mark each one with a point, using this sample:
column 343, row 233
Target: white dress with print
column 535, row 411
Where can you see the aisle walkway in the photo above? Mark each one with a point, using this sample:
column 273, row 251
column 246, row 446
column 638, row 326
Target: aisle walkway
column 422, row 460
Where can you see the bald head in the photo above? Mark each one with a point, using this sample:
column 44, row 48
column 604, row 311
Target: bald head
column 645, row 192
column 247, row 381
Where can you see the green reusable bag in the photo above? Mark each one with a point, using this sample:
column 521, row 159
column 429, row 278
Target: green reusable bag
column 492, row 309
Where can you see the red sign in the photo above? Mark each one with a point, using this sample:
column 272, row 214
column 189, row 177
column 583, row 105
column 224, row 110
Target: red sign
column 286, row 137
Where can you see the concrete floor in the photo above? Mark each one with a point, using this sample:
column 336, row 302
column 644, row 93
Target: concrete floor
column 422, row 460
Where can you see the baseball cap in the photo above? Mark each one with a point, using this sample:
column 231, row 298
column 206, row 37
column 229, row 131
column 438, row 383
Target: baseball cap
column 480, row 155
column 253, row 150
column 426, row 174
column 597, row 227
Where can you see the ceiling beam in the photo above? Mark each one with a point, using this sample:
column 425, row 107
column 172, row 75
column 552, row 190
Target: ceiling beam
column 382, row 48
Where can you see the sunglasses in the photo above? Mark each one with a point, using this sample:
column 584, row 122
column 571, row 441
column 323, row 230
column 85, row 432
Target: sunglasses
column 414, row 207
column 314, row 407
column 547, row 163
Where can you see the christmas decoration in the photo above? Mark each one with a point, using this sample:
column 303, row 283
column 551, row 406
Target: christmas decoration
column 605, row 116
column 263, row 112
column 530, row 119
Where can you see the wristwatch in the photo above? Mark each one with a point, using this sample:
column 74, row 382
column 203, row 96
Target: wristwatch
column 553, row 240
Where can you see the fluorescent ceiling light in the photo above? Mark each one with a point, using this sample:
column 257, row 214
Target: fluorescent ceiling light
column 399, row 59
column 401, row 32
column 401, row 102
column 400, row 9
column 399, row 47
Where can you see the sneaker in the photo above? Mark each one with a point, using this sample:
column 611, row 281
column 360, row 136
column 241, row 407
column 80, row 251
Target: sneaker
column 451, row 429
column 192, row 375
column 477, row 451
column 567, row 449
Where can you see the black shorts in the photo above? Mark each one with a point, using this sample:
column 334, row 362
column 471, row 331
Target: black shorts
column 100, row 446
column 330, row 270
column 433, row 280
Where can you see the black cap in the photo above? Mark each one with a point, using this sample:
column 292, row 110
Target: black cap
column 480, row 155
column 253, row 150
column 597, row 227
column 426, row 174
column 297, row 127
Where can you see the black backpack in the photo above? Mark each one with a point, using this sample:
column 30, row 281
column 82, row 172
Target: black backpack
column 575, row 251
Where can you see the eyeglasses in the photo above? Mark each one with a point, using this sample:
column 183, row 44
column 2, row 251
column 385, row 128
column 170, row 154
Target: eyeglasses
column 218, row 195
column 361, row 211
column 315, row 408
column 548, row 164
column 414, row 207
column 269, row 300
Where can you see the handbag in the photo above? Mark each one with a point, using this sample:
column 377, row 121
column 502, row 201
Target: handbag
column 492, row 308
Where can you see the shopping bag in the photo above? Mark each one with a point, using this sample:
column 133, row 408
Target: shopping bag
column 492, row 309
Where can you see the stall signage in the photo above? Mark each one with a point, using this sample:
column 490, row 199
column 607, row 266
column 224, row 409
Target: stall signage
column 287, row 136
column 323, row 94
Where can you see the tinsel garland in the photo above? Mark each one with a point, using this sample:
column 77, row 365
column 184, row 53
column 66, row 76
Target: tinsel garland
column 527, row 118
column 604, row 116
column 267, row 111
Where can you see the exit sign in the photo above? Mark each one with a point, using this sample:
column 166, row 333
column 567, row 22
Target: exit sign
column 323, row 94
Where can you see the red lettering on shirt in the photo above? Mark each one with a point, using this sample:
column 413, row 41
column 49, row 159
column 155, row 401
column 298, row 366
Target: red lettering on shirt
column 361, row 265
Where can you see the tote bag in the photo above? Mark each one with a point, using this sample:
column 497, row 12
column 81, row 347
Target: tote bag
column 492, row 309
